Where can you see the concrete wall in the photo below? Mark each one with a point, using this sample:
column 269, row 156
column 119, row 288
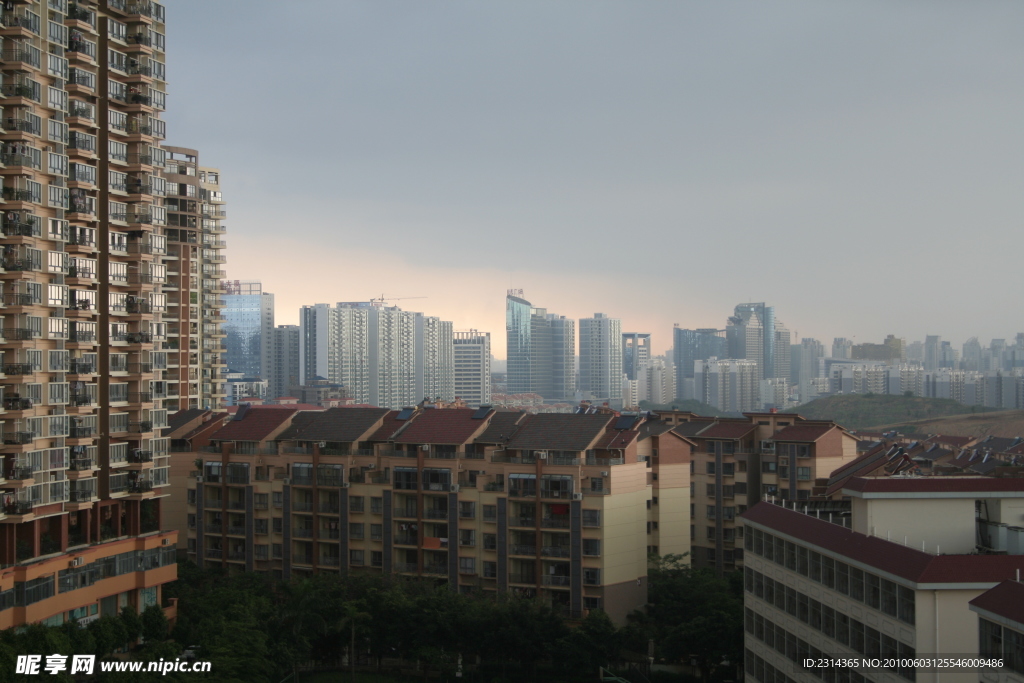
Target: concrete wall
column 916, row 521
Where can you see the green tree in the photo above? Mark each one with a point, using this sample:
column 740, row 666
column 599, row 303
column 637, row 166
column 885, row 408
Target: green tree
column 132, row 624
column 154, row 624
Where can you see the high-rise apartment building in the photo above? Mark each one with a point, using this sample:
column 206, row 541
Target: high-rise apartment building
column 541, row 350
column 87, row 344
column 601, row 357
column 248, row 321
column 932, row 352
column 285, row 344
column 561, row 507
column 636, row 354
column 194, row 285
column 473, row 367
column 380, row 354
column 727, row 384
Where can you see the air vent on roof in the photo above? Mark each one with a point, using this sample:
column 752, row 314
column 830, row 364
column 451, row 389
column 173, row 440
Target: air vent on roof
column 624, row 422
column 481, row 412
column 405, row 414
column 243, row 408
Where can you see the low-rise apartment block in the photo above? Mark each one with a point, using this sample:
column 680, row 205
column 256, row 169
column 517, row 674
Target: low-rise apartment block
column 563, row 507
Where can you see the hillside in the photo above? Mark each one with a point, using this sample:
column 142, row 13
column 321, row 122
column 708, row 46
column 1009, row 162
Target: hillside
column 1008, row 423
column 687, row 405
column 871, row 411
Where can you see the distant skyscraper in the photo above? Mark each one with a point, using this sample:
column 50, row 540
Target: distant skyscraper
column 248, row 320
column 601, row 357
column 636, row 353
column 972, row 354
column 285, row 342
column 692, row 345
column 751, row 333
column 381, row 355
column 473, row 367
column 541, row 349
column 932, row 352
column 842, row 348
column 728, row 384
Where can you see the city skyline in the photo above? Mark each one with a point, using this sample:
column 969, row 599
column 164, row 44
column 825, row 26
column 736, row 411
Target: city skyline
column 453, row 155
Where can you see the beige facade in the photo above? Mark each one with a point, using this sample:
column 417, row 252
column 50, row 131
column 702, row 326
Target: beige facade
column 195, row 268
column 561, row 507
column 84, row 468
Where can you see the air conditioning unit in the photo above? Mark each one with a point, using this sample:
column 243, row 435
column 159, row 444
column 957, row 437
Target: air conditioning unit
column 77, row 562
column 454, row 488
column 287, row 481
column 345, row 484
column 604, row 474
column 542, row 455
column 577, row 496
column 767, row 446
column 166, row 541
column 371, row 466
column 199, row 479
column 425, row 447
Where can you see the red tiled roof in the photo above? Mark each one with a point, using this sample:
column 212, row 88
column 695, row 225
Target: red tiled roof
column 389, row 427
column 442, row 425
column 616, row 438
column 1005, row 600
column 727, row 430
column 257, row 424
column 892, row 558
column 560, row 432
column 958, row 441
column 864, row 464
column 803, row 433
column 966, row 484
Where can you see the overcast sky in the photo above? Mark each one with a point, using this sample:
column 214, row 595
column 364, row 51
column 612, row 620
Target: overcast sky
column 856, row 164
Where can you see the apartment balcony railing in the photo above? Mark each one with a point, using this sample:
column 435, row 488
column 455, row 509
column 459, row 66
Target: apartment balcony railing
column 21, row 507
column 555, row 580
column 140, row 427
column 17, row 368
column 406, row 567
column 554, row 551
column 81, row 432
column 139, row 338
column 82, row 464
column 83, row 496
column 522, row 520
column 406, row 512
column 236, row 530
column 437, row 513
column 520, row 577
column 140, row 486
column 214, row 528
column 21, row 473
column 559, row 522
column 19, row 438
column 80, row 367
column 302, row 533
column 302, row 505
column 139, row 456
column 523, row 549
column 15, row 404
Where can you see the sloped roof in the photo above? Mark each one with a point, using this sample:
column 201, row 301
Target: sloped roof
column 336, row 424
column 998, row 443
column 257, row 424
column 863, row 464
column 728, row 430
column 502, row 426
column 616, row 438
column 442, row 425
column 181, row 418
column 886, row 556
column 1005, row 600
column 692, row 428
column 389, row 426
column 654, row 428
column 560, row 431
column 803, row 433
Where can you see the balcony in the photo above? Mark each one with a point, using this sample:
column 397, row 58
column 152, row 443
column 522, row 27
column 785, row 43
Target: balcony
column 302, row 533
column 406, row 539
column 17, row 368
column 139, row 427
column 81, row 367
column 81, row 432
column 21, row 507
column 558, row 522
column 555, row 580
column 139, row 337
column 82, row 464
column 20, row 473
column 81, row 400
column 555, row 551
column 522, row 520
column 214, row 528
column 329, row 560
column 18, row 438
column 523, row 550
column 139, row 456
column 436, row 513
column 140, row 486
column 236, row 530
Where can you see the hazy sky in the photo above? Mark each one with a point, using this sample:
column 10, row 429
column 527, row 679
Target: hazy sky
column 856, row 164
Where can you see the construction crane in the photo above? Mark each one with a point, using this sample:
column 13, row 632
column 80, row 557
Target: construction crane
column 383, row 300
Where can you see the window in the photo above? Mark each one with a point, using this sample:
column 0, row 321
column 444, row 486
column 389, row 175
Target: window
column 803, row 473
column 710, row 492
column 355, row 503
column 490, row 542
column 376, row 532
column 490, row 513
column 592, row 547
column 356, row 531
column 591, row 603
column 467, row 509
column 768, row 467
column 278, row 525
column 592, row 518
column 278, row 499
column 467, row 537
column 711, row 512
column 376, row 505
column 711, row 467
column 591, row 577
column 277, row 551
column 490, row 570
column 355, row 557
column 376, row 558
column 260, row 527
column 467, row 565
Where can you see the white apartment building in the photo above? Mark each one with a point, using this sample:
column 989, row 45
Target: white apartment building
column 895, row 580
column 601, row 357
column 382, row 355
column 472, row 357
column 729, row 384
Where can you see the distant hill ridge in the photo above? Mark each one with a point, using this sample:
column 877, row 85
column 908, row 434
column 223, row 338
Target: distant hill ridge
column 866, row 411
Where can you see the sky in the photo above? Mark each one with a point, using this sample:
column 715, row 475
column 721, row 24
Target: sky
column 857, row 165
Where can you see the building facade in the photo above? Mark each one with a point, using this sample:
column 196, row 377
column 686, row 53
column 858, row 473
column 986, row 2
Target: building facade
column 88, row 358
column 248, row 323
column 285, row 345
column 472, row 355
column 729, row 385
column 601, row 357
column 564, row 508
column 636, row 354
